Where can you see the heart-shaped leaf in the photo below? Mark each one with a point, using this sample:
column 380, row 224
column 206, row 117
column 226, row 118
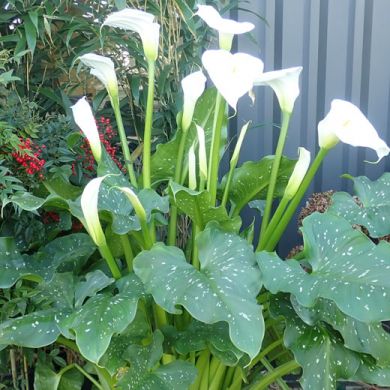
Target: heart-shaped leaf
column 101, row 317
column 372, row 208
column 369, row 372
column 33, row 330
column 143, row 373
column 198, row 206
column 250, row 181
column 225, row 288
column 347, row 268
column 368, row 338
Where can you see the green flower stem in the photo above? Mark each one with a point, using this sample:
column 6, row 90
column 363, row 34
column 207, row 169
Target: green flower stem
column 279, row 380
column 202, row 364
column 215, row 146
column 274, row 174
column 148, row 126
column 195, row 253
column 266, row 351
column 279, row 230
column 273, row 223
column 123, row 139
column 107, row 255
column 85, row 373
column 129, row 256
column 217, row 375
column 228, row 377
column 228, row 184
column 178, row 172
column 277, row 373
column 237, row 380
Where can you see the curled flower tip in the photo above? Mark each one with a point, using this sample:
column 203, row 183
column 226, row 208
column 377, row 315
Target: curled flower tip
column 227, row 28
column 140, row 22
column 346, row 123
column 232, row 74
column 84, row 118
column 102, row 68
column 285, row 83
column 193, row 86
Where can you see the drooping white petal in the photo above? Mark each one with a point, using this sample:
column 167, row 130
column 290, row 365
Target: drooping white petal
column 202, row 152
column 285, row 83
column 298, row 174
column 89, row 206
column 232, row 74
column 192, row 168
column 134, row 200
column 193, row 86
column 227, row 28
column 103, row 68
column 84, row 118
column 346, row 123
column 142, row 23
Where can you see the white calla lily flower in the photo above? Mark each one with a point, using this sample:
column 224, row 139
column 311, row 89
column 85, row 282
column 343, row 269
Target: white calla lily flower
column 346, row 123
column 193, row 86
column 232, row 74
column 103, row 68
column 192, row 168
column 298, row 173
column 89, row 206
column 285, row 83
column 84, row 118
column 202, row 152
column 227, row 28
column 142, row 23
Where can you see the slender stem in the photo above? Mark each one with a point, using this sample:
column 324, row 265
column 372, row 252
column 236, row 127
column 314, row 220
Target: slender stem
column 277, row 233
column 148, row 126
column 279, row 381
column 123, row 139
column 129, row 256
column 274, row 173
column 273, row 223
column 228, row 184
column 195, row 251
column 228, row 377
column 266, row 351
column 178, row 171
column 218, row 377
column 202, row 364
column 107, row 255
column 85, row 373
column 275, row 374
column 215, row 146
column 237, row 380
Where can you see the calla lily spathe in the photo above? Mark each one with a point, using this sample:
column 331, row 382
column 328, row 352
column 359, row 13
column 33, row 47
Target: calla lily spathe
column 84, row 118
column 285, row 83
column 193, row 86
column 298, row 174
column 142, row 23
column 227, row 28
column 89, row 206
column 346, row 123
column 192, row 168
column 232, row 74
column 103, row 68
column 202, row 152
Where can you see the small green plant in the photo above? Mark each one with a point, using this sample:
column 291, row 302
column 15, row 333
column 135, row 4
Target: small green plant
column 226, row 312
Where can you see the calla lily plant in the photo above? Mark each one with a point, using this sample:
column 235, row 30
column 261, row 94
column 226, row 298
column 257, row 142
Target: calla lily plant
column 170, row 287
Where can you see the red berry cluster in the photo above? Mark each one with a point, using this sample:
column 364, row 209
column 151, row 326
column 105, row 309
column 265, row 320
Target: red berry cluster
column 28, row 157
column 50, row 217
column 107, row 137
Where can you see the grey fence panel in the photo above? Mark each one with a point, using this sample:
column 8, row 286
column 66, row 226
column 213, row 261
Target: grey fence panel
column 344, row 48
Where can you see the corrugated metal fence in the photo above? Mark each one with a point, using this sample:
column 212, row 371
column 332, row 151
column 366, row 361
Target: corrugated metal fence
column 344, row 48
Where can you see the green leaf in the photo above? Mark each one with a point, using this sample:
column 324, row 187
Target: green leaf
column 143, row 373
column 347, row 268
column 31, row 33
column 369, row 372
column 63, row 253
column 33, row 330
column 199, row 336
column 62, row 188
column 187, row 15
column 198, row 206
column 163, row 161
column 225, row 288
column 250, row 181
column 369, row 338
column 94, row 282
column 374, row 205
column 319, row 352
column 101, row 317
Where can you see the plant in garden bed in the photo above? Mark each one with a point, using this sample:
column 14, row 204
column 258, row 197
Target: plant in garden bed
column 226, row 312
